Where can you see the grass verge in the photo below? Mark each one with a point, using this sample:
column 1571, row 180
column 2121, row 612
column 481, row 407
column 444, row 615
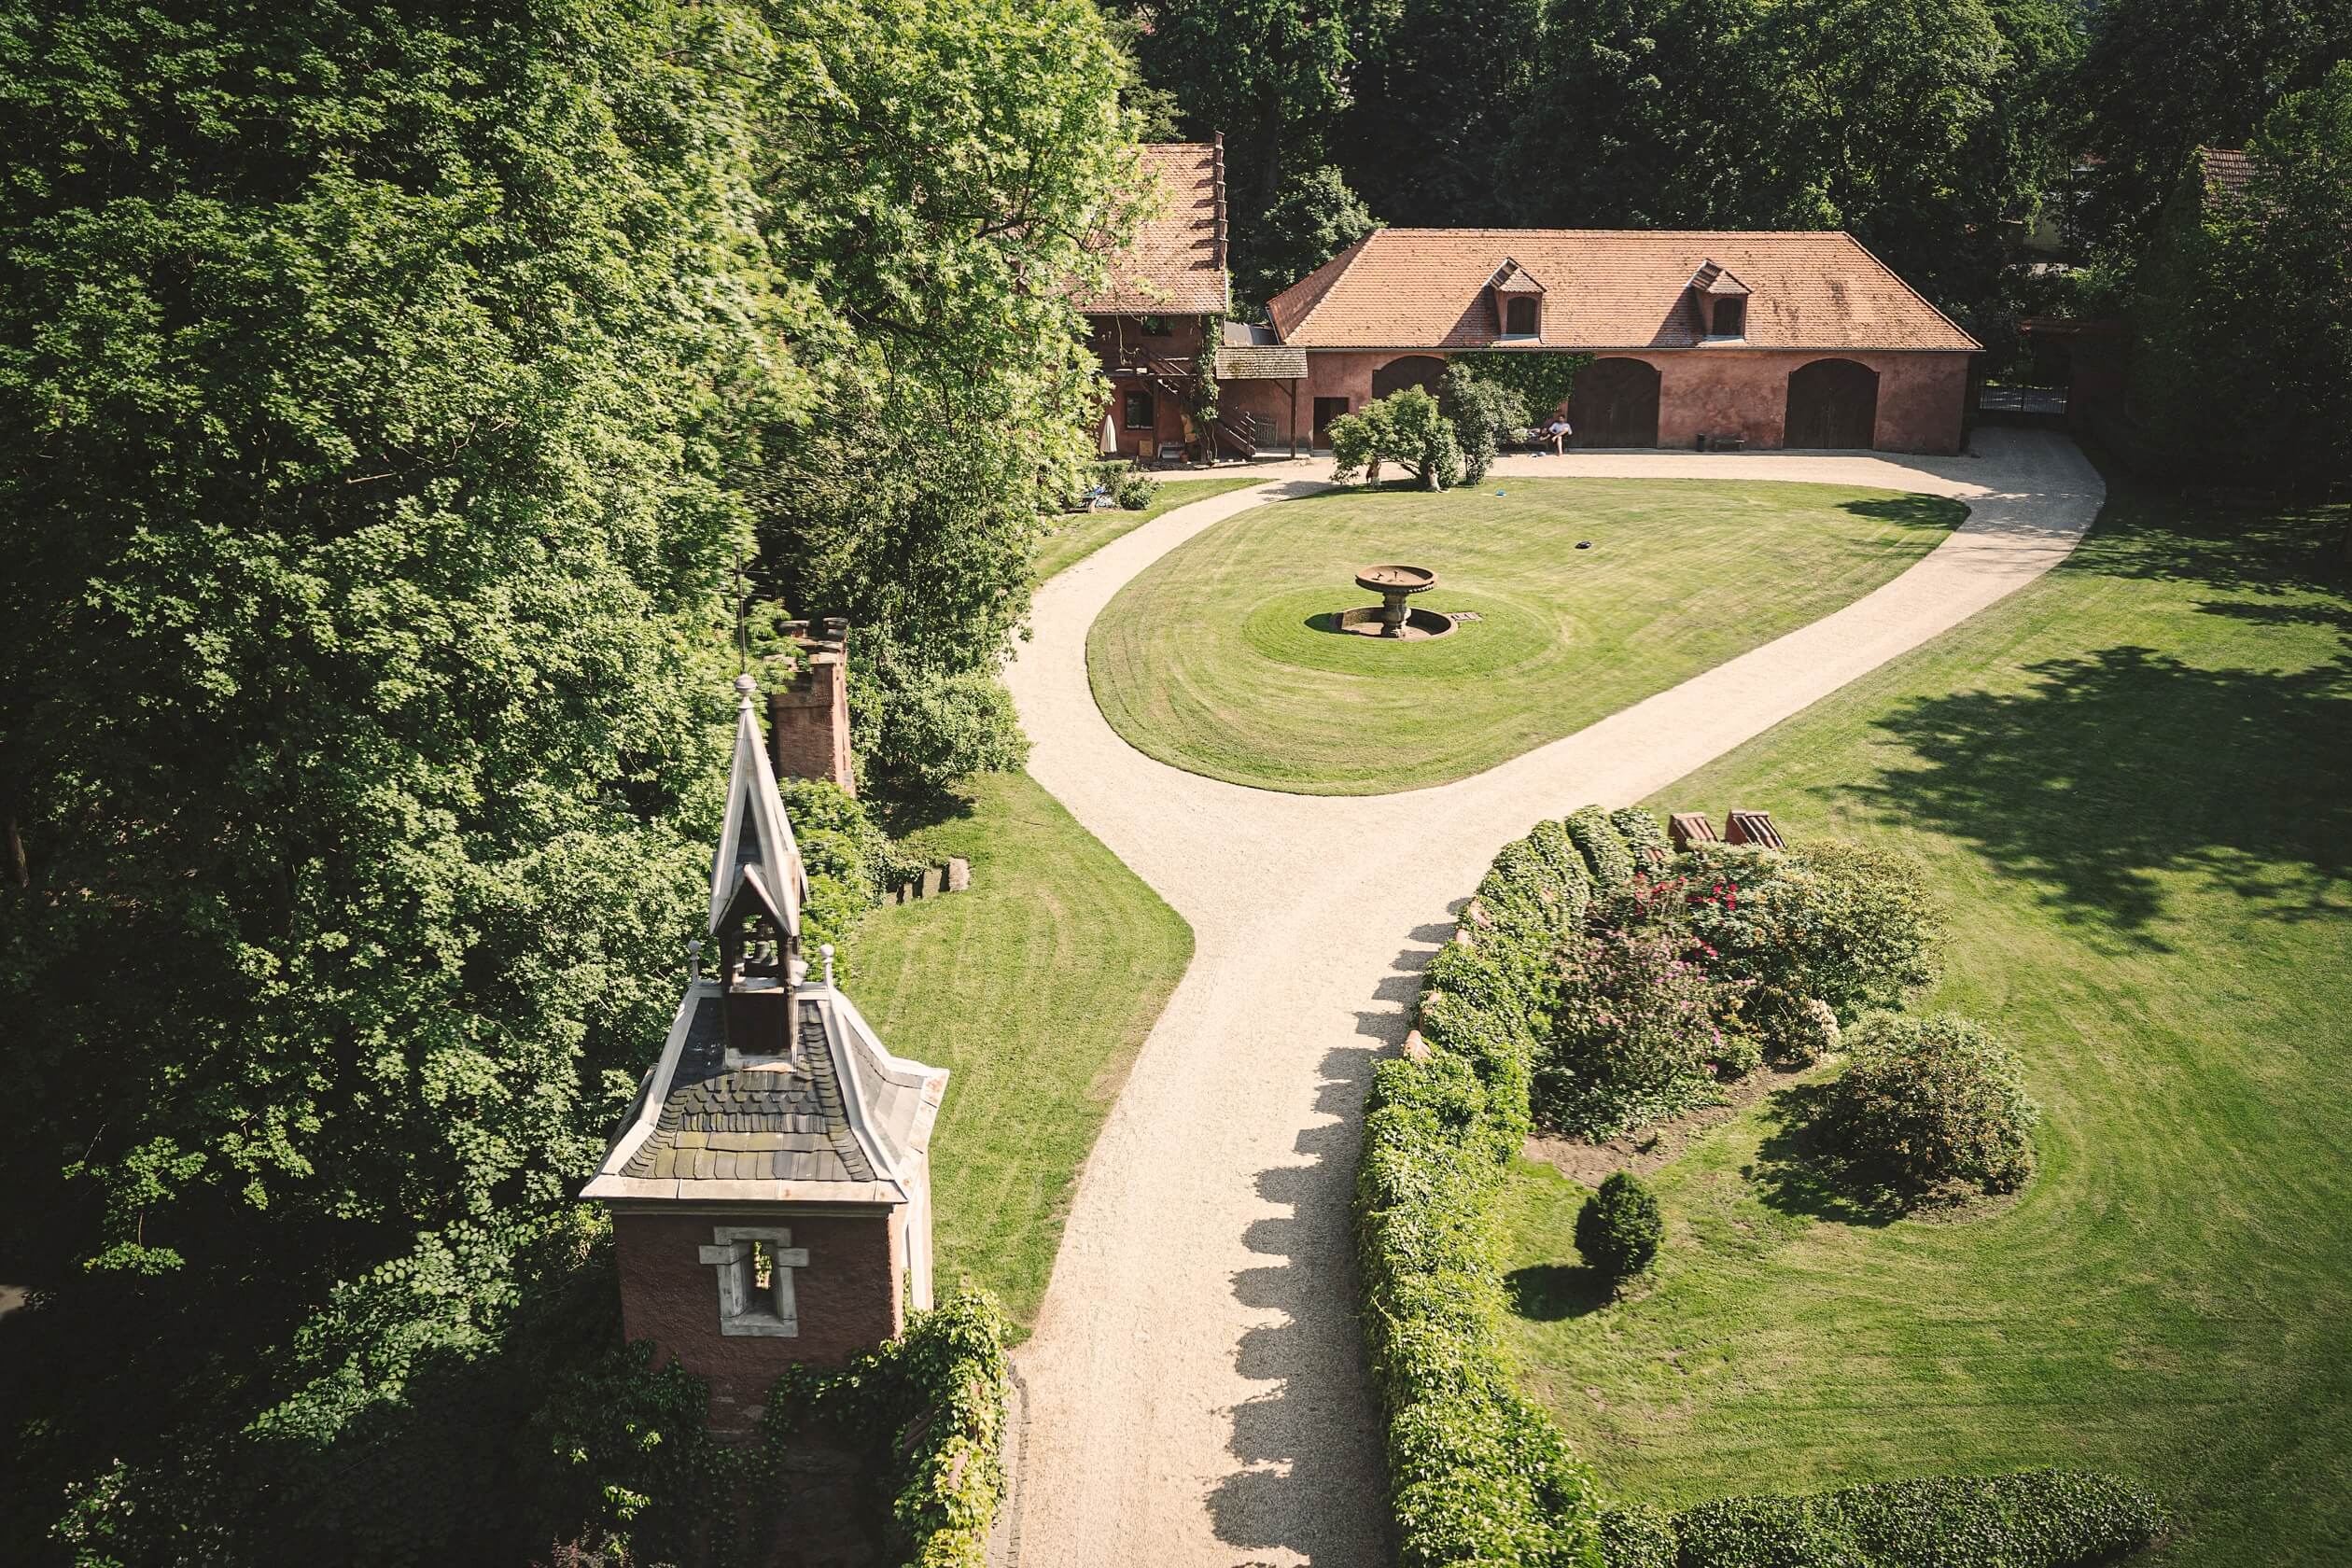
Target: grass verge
column 1036, row 987
column 1070, row 539
column 1217, row 658
column 2128, row 784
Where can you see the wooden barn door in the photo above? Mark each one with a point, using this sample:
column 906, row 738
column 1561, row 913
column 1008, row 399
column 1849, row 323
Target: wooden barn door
column 1614, row 403
column 1834, row 403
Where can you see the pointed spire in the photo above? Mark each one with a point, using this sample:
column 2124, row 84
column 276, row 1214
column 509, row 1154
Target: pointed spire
column 756, row 848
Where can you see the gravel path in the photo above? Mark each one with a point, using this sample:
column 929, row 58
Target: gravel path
column 1194, row 1393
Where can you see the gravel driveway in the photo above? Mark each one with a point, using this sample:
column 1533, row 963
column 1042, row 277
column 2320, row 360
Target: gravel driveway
column 1194, row 1393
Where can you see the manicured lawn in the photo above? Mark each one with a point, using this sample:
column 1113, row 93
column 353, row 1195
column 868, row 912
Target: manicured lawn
column 1036, row 987
column 2132, row 784
column 1214, row 659
column 1072, row 539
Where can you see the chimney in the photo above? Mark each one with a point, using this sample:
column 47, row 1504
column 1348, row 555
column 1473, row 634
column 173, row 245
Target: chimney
column 808, row 720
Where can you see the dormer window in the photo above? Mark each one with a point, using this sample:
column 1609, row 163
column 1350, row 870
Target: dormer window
column 1720, row 302
column 1518, row 302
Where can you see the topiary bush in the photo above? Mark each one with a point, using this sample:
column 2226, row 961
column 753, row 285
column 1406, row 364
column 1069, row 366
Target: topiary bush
column 1928, row 1101
column 1619, row 1228
column 1134, row 492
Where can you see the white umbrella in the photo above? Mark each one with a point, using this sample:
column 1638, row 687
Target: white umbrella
column 1110, row 437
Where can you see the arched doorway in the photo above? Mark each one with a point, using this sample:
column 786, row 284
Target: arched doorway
column 1614, row 403
column 1414, row 369
column 1832, row 402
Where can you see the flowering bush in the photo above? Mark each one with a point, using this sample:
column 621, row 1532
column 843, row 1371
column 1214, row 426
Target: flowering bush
column 1850, row 925
column 1933, row 1100
column 1637, row 1032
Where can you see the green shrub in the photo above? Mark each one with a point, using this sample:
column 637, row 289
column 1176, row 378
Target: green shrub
column 1619, row 1228
column 1481, row 411
column 1636, row 1535
column 1848, row 923
column 1637, row 1033
column 1403, row 428
column 1477, row 1473
column 1134, row 492
column 1925, row 1102
column 852, row 864
column 2035, row 1518
column 1607, row 854
column 1645, row 835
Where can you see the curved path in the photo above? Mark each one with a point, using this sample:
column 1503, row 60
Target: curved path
column 1194, row 1393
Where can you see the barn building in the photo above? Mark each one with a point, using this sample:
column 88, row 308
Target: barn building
column 1760, row 340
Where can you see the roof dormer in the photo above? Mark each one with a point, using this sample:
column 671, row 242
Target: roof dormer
column 1720, row 302
column 1518, row 301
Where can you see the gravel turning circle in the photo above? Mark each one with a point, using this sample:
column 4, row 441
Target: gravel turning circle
column 1194, row 1393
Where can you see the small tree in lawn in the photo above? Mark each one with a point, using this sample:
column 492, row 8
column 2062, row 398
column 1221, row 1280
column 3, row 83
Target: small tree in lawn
column 1404, row 427
column 1480, row 411
column 1619, row 1228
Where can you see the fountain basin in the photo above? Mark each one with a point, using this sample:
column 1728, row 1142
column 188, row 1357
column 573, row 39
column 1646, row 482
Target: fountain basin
column 1390, row 617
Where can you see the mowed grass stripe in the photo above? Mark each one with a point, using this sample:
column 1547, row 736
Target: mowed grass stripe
column 1211, row 659
column 2129, row 785
column 1036, row 987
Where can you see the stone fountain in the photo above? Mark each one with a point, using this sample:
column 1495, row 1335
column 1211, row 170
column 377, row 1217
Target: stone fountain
column 1392, row 617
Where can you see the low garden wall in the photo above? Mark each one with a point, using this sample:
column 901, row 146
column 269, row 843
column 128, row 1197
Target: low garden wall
column 1480, row 1475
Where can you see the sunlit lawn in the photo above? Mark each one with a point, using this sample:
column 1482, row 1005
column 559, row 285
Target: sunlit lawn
column 1217, row 658
column 1036, row 987
column 1070, row 539
column 2132, row 786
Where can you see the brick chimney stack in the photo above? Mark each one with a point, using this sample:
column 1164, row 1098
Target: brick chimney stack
column 808, row 721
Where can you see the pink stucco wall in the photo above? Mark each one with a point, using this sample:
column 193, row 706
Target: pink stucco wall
column 1922, row 400
column 1119, row 338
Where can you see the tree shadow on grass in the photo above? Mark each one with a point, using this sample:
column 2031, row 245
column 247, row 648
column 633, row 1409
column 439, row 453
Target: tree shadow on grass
column 1798, row 1173
column 1550, row 1291
column 2125, row 765
column 1910, row 510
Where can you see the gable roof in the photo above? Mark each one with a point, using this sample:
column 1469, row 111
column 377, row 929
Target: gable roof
column 1176, row 263
column 1607, row 289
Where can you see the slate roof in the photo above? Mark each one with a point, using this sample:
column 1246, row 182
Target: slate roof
column 1176, row 263
column 1424, row 288
column 784, row 1123
column 840, row 1120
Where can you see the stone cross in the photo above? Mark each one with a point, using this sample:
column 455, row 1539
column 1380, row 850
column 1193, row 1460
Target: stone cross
column 745, row 1307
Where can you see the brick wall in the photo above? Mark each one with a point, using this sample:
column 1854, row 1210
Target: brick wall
column 848, row 1297
column 808, row 719
column 1923, row 398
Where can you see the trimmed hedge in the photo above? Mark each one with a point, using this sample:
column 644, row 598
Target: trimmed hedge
column 2034, row 1518
column 1607, row 854
column 1644, row 834
column 1619, row 1228
column 1478, row 1474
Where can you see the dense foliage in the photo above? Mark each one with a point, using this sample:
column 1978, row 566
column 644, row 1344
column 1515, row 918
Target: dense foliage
column 389, row 392
column 1483, row 413
column 2034, row 1518
column 1638, row 1031
column 1925, row 1102
column 1619, row 1228
column 955, row 398
column 2249, row 295
column 1407, row 429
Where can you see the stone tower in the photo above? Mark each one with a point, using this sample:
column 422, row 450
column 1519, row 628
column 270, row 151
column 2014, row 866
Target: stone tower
column 770, row 1188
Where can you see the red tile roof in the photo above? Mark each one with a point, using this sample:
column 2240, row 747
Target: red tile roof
column 1176, row 263
column 2228, row 171
column 1606, row 288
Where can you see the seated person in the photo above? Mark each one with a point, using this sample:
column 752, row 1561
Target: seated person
column 1560, row 431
